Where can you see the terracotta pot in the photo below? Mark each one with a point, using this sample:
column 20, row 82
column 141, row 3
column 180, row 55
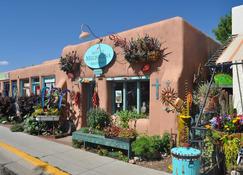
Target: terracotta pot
column 146, row 68
column 212, row 104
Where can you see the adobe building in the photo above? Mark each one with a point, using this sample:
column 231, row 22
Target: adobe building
column 30, row 80
column 121, row 85
column 124, row 86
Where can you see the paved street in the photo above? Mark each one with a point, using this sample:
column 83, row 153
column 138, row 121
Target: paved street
column 66, row 158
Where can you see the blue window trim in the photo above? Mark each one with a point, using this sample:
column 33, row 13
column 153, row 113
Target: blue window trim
column 124, row 81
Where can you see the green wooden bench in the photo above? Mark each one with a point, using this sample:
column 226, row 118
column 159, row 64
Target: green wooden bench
column 102, row 140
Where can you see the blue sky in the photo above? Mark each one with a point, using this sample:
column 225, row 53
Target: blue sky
column 32, row 31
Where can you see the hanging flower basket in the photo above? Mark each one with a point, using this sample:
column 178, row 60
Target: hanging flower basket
column 141, row 50
column 70, row 64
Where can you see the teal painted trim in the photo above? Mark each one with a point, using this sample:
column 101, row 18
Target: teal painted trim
column 88, row 88
column 21, row 87
column 113, row 98
column 35, row 83
column 138, row 97
column 102, row 140
column 124, row 95
column 127, row 78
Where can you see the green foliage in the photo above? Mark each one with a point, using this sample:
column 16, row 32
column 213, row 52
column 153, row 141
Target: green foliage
column 126, row 115
column 17, row 127
column 165, row 143
column 127, row 133
column 3, row 119
column 208, row 149
column 118, row 155
column 202, row 91
column 34, row 127
column 69, row 62
column 91, row 131
column 26, row 104
column 103, row 152
column 231, row 149
column 7, row 107
column 98, row 118
column 112, row 131
column 76, row 143
column 51, row 111
column 150, row 147
column 223, row 31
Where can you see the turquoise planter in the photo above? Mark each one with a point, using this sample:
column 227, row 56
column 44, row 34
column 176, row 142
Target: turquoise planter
column 102, row 140
column 185, row 161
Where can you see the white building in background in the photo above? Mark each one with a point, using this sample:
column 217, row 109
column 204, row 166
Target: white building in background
column 237, row 28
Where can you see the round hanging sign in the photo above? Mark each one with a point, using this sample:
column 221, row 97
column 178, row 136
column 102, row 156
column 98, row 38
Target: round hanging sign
column 98, row 56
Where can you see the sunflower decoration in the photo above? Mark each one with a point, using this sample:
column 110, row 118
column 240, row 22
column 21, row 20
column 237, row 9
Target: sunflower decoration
column 168, row 96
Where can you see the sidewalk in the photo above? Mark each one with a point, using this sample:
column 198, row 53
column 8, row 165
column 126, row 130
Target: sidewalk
column 66, row 158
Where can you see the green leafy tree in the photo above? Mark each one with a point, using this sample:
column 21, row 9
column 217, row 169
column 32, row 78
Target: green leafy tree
column 223, row 31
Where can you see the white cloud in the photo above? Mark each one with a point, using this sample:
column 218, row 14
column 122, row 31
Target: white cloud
column 4, row 63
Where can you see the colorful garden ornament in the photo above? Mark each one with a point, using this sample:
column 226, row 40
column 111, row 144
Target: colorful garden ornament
column 43, row 93
column 65, row 91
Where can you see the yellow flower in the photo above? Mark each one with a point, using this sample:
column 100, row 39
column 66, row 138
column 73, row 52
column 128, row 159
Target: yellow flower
column 207, row 126
column 235, row 120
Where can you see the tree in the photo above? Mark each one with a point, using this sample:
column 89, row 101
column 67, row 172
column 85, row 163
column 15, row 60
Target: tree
column 223, row 31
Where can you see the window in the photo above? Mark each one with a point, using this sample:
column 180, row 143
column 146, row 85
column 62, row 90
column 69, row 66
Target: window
column 35, row 86
column 24, row 87
column 130, row 95
column 14, row 88
column 6, row 89
column 49, row 82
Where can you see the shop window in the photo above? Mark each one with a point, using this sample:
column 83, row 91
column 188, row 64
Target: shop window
column 49, row 82
column 131, row 95
column 6, row 89
column 14, row 88
column 144, row 89
column 24, row 87
column 35, row 86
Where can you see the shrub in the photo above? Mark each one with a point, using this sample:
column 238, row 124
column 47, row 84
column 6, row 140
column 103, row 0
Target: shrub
column 112, row 131
column 17, row 127
column 165, row 143
column 98, row 118
column 127, row 133
column 7, row 106
column 26, row 104
column 125, row 116
column 34, row 127
column 150, row 147
column 91, row 131
column 76, row 143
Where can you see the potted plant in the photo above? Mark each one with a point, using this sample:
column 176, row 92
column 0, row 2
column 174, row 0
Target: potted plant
column 212, row 99
column 143, row 49
column 70, row 63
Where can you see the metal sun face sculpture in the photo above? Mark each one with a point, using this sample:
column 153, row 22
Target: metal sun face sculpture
column 168, row 96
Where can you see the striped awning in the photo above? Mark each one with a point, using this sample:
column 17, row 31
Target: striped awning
column 233, row 53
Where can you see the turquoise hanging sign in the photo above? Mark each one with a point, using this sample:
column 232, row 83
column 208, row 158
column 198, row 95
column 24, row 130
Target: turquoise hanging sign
column 98, row 56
